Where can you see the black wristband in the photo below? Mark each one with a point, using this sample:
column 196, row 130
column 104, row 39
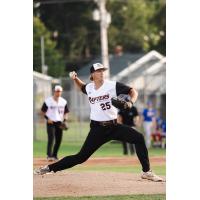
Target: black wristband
column 46, row 117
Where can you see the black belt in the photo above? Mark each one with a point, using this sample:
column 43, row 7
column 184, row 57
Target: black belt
column 104, row 123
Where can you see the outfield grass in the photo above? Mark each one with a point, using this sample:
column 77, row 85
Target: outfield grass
column 120, row 197
column 73, row 140
column 77, row 131
column 159, row 170
column 107, row 150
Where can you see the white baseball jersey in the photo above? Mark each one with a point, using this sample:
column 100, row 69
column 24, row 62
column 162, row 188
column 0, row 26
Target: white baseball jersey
column 55, row 110
column 100, row 99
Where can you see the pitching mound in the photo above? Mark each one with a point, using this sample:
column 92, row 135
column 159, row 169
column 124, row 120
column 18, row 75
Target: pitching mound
column 88, row 183
column 93, row 184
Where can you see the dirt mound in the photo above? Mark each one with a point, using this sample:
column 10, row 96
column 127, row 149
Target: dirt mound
column 93, row 184
column 68, row 183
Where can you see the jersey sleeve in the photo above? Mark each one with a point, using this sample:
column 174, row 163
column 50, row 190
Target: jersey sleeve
column 122, row 89
column 44, row 107
column 83, row 89
column 66, row 109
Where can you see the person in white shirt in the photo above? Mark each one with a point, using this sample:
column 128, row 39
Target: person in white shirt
column 103, row 124
column 55, row 111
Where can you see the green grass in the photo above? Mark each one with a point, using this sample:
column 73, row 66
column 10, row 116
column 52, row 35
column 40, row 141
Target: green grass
column 111, row 149
column 160, row 170
column 77, row 131
column 120, row 197
column 107, row 150
column 73, row 140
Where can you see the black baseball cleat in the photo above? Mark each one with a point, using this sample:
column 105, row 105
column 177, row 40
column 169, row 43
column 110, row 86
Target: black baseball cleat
column 42, row 170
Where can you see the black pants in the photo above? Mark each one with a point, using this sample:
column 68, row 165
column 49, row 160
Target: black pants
column 128, row 147
column 98, row 136
column 53, row 131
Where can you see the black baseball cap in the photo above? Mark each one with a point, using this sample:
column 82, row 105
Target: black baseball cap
column 96, row 67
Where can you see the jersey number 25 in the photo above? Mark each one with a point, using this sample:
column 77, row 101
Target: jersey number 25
column 105, row 106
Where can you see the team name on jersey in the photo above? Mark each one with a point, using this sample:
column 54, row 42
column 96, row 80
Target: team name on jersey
column 98, row 99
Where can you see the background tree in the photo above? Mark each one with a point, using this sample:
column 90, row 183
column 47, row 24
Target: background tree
column 137, row 25
column 53, row 59
column 159, row 21
column 78, row 35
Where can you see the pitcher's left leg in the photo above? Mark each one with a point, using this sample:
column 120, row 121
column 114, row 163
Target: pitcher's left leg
column 128, row 134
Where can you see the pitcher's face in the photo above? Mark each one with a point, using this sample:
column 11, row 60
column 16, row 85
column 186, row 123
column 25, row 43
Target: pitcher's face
column 98, row 75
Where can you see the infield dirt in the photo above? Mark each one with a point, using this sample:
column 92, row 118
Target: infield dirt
column 88, row 183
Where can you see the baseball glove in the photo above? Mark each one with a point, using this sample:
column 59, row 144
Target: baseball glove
column 122, row 102
column 64, row 125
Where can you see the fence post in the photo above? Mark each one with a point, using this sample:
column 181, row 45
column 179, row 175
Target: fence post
column 34, row 111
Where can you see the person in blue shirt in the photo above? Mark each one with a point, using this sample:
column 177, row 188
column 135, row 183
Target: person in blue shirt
column 149, row 117
column 163, row 127
column 159, row 122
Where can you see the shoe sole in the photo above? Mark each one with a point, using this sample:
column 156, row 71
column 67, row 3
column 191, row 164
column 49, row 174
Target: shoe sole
column 153, row 180
column 35, row 173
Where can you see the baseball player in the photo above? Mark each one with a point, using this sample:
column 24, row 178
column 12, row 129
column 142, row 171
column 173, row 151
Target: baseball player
column 55, row 111
column 149, row 116
column 103, row 124
column 129, row 117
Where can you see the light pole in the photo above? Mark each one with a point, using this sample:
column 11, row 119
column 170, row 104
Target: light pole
column 105, row 19
column 44, row 67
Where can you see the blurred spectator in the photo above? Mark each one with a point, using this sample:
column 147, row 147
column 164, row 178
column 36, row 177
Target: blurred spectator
column 158, row 136
column 129, row 118
column 163, row 126
column 149, row 121
column 159, row 122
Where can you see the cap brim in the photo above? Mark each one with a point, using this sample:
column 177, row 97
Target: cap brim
column 104, row 69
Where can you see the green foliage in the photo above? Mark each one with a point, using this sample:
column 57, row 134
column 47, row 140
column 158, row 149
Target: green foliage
column 159, row 20
column 107, row 150
column 134, row 24
column 137, row 25
column 53, row 59
column 78, row 35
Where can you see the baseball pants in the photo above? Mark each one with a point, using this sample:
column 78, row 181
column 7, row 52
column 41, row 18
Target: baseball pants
column 148, row 130
column 99, row 135
column 53, row 131
column 128, row 148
